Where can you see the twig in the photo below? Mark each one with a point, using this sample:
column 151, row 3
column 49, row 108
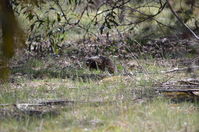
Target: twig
column 180, row 20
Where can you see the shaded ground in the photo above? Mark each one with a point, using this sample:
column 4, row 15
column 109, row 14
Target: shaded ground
column 125, row 47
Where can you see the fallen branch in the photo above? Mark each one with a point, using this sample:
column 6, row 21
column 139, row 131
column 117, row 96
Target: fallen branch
column 181, row 69
column 181, row 94
column 56, row 102
column 178, row 90
column 46, row 107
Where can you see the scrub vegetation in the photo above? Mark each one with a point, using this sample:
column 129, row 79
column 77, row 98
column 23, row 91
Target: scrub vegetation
column 99, row 65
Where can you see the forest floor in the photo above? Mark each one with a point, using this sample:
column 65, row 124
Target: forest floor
column 59, row 93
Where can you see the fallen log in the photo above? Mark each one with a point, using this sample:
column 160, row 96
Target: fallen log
column 179, row 95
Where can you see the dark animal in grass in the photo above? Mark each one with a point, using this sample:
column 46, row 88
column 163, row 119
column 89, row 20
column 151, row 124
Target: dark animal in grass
column 100, row 62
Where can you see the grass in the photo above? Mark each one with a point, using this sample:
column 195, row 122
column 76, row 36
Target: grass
column 119, row 111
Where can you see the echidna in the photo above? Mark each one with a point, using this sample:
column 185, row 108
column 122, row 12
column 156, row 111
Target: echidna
column 101, row 63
